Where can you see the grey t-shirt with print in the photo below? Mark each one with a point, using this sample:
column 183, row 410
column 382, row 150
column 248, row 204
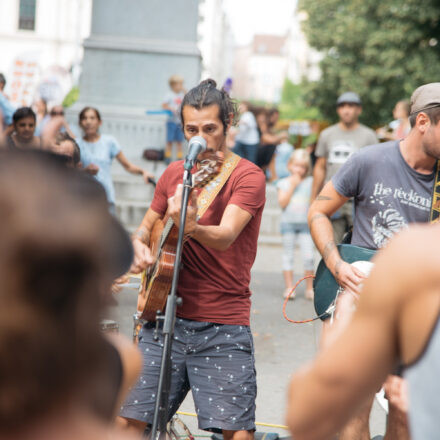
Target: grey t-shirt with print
column 337, row 145
column 388, row 193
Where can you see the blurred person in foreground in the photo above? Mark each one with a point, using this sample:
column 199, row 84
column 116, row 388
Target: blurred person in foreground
column 23, row 135
column 391, row 184
column 335, row 145
column 396, row 323
column 60, row 377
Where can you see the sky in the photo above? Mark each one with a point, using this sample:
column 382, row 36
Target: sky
column 249, row 17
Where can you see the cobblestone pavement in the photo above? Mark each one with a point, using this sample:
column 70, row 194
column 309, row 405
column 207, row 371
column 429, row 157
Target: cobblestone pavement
column 281, row 347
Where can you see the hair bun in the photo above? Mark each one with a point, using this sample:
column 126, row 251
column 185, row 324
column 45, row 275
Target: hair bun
column 209, row 83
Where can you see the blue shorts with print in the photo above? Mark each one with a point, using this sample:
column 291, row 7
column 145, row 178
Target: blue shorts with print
column 174, row 132
column 215, row 361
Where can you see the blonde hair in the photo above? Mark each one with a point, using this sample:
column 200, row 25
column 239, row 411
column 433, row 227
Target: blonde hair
column 302, row 155
column 175, row 79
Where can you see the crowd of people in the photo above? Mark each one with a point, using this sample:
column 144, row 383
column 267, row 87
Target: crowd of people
column 257, row 140
column 40, row 129
column 58, row 265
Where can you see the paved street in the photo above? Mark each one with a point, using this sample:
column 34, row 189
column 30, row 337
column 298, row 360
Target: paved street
column 281, row 347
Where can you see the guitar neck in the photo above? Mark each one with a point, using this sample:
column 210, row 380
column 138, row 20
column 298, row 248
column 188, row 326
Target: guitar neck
column 166, row 230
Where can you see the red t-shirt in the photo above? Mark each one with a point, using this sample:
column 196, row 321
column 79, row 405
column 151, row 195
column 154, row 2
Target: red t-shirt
column 213, row 284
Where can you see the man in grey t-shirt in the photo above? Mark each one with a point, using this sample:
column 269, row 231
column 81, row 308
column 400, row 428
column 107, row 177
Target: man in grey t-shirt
column 335, row 145
column 391, row 185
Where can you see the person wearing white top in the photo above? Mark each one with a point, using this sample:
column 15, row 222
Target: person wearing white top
column 247, row 138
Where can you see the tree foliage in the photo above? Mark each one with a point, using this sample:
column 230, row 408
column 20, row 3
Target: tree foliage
column 382, row 50
column 71, row 97
column 293, row 104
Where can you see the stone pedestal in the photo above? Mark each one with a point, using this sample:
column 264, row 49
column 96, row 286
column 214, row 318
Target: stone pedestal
column 134, row 47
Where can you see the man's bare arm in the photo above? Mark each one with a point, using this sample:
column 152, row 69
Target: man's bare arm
column 319, row 172
column 144, row 230
column 325, row 205
column 219, row 237
column 222, row 236
column 141, row 242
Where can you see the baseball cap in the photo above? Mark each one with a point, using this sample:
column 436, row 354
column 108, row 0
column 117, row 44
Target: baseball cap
column 350, row 98
column 425, row 97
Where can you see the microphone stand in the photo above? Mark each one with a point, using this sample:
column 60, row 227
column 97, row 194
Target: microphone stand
column 160, row 418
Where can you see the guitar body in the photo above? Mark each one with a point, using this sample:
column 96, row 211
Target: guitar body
column 325, row 286
column 156, row 281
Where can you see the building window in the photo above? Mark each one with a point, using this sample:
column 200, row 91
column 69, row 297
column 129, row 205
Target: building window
column 26, row 20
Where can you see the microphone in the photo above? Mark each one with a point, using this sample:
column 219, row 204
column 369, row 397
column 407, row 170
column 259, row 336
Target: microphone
column 196, row 145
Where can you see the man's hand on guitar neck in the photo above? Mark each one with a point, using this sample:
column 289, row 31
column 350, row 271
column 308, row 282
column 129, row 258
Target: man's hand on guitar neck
column 174, row 205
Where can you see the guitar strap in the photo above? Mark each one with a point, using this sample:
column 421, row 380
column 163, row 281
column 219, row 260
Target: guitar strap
column 210, row 191
column 435, row 204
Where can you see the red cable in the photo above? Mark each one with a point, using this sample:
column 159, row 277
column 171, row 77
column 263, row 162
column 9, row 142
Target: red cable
column 287, row 300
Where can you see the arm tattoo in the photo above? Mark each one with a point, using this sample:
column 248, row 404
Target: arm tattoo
column 323, row 198
column 142, row 234
column 316, row 217
column 328, row 249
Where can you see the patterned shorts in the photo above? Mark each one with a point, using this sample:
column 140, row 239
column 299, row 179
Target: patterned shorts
column 215, row 361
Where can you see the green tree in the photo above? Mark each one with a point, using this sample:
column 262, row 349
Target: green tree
column 293, row 104
column 71, row 97
column 380, row 49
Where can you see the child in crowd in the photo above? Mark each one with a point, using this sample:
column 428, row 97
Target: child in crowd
column 282, row 155
column 294, row 198
column 172, row 103
column 99, row 150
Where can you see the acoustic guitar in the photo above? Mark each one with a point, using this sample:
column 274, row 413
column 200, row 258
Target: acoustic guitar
column 157, row 279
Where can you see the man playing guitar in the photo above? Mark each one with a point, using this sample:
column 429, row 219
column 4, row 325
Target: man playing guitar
column 392, row 185
column 212, row 350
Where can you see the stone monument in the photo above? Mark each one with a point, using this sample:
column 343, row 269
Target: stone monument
column 133, row 48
